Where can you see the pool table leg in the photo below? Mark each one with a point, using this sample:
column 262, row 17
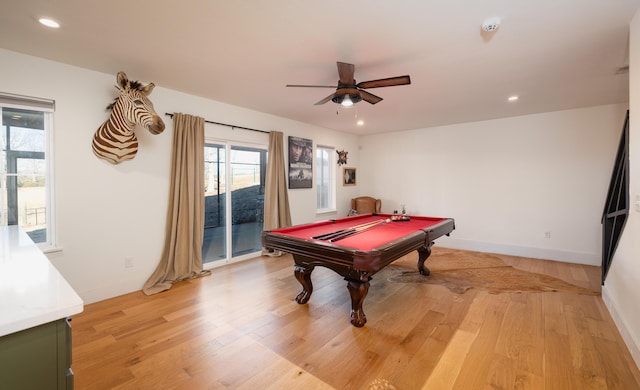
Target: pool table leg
column 424, row 253
column 358, row 291
column 303, row 275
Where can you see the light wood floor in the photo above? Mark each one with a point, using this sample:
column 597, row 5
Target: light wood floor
column 240, row 328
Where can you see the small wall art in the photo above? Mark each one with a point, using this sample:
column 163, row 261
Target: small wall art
column 348, row 176
column 342, row 156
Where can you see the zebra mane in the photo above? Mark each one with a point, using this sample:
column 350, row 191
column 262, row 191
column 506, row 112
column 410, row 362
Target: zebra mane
column 132, row 85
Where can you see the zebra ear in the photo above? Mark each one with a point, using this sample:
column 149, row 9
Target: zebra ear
column 123, row 81
column 147, row 89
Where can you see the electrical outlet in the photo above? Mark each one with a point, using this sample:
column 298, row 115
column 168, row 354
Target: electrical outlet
column 547, row 234
column 128, row 262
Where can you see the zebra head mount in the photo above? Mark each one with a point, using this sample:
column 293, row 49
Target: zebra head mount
column 115, row 140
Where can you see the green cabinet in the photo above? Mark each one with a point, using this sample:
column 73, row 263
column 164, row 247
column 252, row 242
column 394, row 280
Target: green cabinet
column 37, row 358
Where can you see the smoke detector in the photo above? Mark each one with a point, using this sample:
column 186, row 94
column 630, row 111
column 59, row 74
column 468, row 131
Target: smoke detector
column 491, row 24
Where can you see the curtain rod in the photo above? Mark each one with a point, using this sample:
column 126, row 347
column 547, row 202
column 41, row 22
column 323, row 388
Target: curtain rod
column 224, row 124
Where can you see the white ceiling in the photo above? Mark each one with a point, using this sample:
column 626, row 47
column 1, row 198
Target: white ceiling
column 554, row 54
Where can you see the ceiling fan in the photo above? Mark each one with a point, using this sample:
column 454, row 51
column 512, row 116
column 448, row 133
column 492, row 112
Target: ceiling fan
column 348, row 92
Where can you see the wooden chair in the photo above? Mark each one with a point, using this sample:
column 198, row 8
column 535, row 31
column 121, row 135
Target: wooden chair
column 366, row 204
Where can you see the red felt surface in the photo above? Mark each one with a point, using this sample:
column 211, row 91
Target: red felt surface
column 365, row 240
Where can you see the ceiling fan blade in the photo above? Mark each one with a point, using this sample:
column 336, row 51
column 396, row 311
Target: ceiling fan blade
column 312, row 86
column 323, row 101
column 346, row 71
column 389, row 82
column 369, row 97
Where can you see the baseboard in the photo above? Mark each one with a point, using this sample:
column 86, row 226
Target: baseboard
column 523, row 251
column 634, row 349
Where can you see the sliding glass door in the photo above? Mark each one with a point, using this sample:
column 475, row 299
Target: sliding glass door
column 234, row 196
column 214, row 246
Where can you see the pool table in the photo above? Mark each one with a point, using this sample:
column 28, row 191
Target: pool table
column 356, row 248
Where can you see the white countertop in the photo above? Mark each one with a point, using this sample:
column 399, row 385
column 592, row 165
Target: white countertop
column 32, row 291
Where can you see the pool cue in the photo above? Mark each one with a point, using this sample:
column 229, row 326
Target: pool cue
column 337, row 232
column 356, row 231
column 327, row 236
column 343, row 235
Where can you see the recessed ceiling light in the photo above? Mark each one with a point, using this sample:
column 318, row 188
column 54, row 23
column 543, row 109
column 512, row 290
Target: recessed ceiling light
column 513, row 98
column 49, row 22
column 360, row 122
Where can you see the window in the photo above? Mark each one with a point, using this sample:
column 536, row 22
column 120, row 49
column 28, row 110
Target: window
column 234, row 197
column 25, row 185
column 326, row 184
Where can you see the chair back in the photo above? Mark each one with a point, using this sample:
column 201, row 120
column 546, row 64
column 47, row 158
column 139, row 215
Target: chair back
column 366, row 205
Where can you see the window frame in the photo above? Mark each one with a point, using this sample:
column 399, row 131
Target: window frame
column 331, row 180
column 228, row 145
column 46, row 106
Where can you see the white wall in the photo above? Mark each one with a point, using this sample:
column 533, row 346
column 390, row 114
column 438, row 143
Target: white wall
column 621, row 291
column 506, row 182
column 105, row 213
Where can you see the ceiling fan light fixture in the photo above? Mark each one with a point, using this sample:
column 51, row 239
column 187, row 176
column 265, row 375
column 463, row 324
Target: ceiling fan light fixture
column 346, row 97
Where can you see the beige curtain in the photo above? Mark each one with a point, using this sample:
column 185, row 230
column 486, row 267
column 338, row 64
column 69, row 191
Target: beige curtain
column 276, row 197
column 182, row 253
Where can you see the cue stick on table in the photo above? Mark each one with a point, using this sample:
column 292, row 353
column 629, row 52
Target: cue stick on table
column 356, row 231
column 328, row 236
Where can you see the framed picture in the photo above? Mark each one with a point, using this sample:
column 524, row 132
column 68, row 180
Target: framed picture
column 348, row 176
column 300, row 162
